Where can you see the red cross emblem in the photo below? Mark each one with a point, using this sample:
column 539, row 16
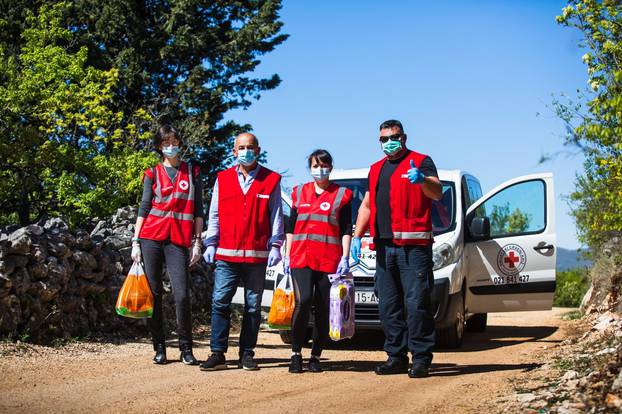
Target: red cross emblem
column 511, row 260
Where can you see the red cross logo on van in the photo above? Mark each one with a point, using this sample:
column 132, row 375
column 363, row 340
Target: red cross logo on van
column 511, row 259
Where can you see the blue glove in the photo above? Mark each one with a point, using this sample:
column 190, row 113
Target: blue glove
column 286, row 269
column 355, row 248
column 209, row 254
column 414, row 175
column 274, row 257
column 344, row 266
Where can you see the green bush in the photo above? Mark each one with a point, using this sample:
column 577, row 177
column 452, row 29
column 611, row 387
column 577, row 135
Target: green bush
column 571, row 287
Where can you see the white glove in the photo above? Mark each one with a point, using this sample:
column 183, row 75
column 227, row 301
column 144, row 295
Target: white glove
column 196, row 254
column 136, row 255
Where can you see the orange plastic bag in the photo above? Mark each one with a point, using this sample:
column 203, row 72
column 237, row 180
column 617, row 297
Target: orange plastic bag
column 135, row 298
column 282, row 306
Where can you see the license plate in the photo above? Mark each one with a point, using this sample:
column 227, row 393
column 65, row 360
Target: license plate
column 366, row 297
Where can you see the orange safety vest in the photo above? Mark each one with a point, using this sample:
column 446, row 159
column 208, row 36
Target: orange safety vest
column 316, row 240
column 172, row 207
column 244, row 219
column 411, row 209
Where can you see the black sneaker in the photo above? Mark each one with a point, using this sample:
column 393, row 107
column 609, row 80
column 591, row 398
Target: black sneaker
column 314, row 365
column 248, row 363
column 393, row 366
column 215, row 362
column 186, row 356
column 160, row 356
column 419, row 371
column 295, row 365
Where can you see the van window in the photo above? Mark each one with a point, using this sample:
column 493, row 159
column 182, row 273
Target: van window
column 516, row 210
column 443, row 211
column 474, row 189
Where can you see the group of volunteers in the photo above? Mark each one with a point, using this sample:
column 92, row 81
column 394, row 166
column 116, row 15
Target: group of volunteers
column 246, row 232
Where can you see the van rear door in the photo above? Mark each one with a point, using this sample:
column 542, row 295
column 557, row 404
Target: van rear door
column 513, row 268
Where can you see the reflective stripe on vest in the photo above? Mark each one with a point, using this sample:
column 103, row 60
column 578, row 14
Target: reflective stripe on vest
column 242, row 253
column 316, row 237
column 317, row 217
column 298, row 194
column 180, row 216
column 412, row 235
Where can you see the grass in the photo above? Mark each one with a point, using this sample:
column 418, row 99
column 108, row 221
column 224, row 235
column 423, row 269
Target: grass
column 571, row 287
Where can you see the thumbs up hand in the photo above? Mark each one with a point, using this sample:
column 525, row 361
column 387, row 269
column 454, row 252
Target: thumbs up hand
column 414, row 175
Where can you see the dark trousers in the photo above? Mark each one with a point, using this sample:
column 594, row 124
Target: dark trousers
column 404, row 283
column 311, row 288
column 155, row 255
column 226, row 280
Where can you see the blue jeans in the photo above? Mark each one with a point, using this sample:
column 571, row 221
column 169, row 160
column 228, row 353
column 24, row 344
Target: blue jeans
column 404, row 283
column 226, row 280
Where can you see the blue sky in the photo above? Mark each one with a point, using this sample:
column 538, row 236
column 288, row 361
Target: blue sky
column 466, row 79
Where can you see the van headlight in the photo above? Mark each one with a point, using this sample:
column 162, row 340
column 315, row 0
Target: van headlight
column 442, row 256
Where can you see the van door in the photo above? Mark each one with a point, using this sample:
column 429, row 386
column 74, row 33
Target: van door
column 511, row 259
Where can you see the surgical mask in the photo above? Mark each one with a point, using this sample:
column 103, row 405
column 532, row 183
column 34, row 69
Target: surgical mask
column 391, row 147
column 320, row 173
column 171, row 151
column 246, row 156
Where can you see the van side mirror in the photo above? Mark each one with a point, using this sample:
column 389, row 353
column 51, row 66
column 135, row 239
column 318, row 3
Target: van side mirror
column 480, row 228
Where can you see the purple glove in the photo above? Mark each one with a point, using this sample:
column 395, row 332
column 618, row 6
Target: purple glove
column 209, row 254
column 274, row 257
column 344, row 266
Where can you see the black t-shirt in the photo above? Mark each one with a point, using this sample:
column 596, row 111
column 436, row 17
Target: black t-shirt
column 345, row 219
column 383, row 191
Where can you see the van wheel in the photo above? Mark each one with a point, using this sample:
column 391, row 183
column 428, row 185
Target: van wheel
column 452, row 336
column 477, row 322
column 286, row 337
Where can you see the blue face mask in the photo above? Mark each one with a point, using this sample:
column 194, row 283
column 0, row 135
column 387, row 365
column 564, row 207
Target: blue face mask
column 320, row 173
column 246, row 156
column 171, row 151
column 391, row 147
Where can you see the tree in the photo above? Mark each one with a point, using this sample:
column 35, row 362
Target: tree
column 77, row 143
column 594, row 122
column 50, row 100
column 502, row 221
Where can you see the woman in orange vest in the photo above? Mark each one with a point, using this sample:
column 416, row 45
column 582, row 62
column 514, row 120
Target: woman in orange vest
column 318, row 244
column 169, row 224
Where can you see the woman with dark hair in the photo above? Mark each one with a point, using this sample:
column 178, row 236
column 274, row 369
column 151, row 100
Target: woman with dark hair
column 318, row 243
column 169, row 224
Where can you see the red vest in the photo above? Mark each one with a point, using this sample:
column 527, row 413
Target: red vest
column 411, row 209
column 316, row 241
column 172, row 207
column 244, row 219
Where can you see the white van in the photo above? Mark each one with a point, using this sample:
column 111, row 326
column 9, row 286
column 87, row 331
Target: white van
column 492, row 253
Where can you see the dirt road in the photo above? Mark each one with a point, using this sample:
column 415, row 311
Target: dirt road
column 120, row 378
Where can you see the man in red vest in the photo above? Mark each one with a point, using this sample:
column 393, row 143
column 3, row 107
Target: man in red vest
column 244, row 234
column 397, row 211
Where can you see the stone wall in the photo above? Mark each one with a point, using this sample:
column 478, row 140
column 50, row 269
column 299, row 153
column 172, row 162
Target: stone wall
column 60, row 283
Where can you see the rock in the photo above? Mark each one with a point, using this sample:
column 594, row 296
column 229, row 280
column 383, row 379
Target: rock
column 604, row 321
column 569, row 375
column 21, row 281
column 86, row 288
column 40, row 253
column 4, row 246
column 525, row 398
column 118, row 242
column 606, row 351
column 100, row 230
column 6, row 266
column 5, row 282
column 84, row 260
column 16, row 261
column 617, row 383
column 90, row 275
column 57, row 270
column 20, row 242
column 38, row 271
column 56, row 225
column 83, row 240
column 11, row 312
column 31, row 230
column 613, row 401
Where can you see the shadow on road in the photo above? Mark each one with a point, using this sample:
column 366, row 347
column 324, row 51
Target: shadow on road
column 437, row 370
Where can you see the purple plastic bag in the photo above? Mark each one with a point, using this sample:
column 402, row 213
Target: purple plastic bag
column 341, row 307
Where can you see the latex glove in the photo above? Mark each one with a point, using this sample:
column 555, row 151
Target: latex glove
column 414, row 175
column 286, row 269
column 209, row 254
column 344, row 266
column 196, row 254
column 275, row 256
column 355, row 249
column 136, row 254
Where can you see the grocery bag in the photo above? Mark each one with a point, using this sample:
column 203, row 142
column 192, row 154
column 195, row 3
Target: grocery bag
column 282, row 307
column 341, row 308
column 135, row 298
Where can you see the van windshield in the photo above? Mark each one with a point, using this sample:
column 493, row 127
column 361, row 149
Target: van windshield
column 443, row 211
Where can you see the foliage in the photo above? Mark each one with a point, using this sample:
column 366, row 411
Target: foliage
column 571, row 287
column 502, row 221
column 84, row 84
column 594, row 123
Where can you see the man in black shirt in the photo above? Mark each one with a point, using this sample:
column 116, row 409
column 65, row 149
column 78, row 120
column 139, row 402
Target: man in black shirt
column 397, row 209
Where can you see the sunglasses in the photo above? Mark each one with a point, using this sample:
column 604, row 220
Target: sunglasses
column 394, row 137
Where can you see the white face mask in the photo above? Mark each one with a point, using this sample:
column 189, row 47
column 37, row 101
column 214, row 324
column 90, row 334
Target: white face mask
column 320, row 173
